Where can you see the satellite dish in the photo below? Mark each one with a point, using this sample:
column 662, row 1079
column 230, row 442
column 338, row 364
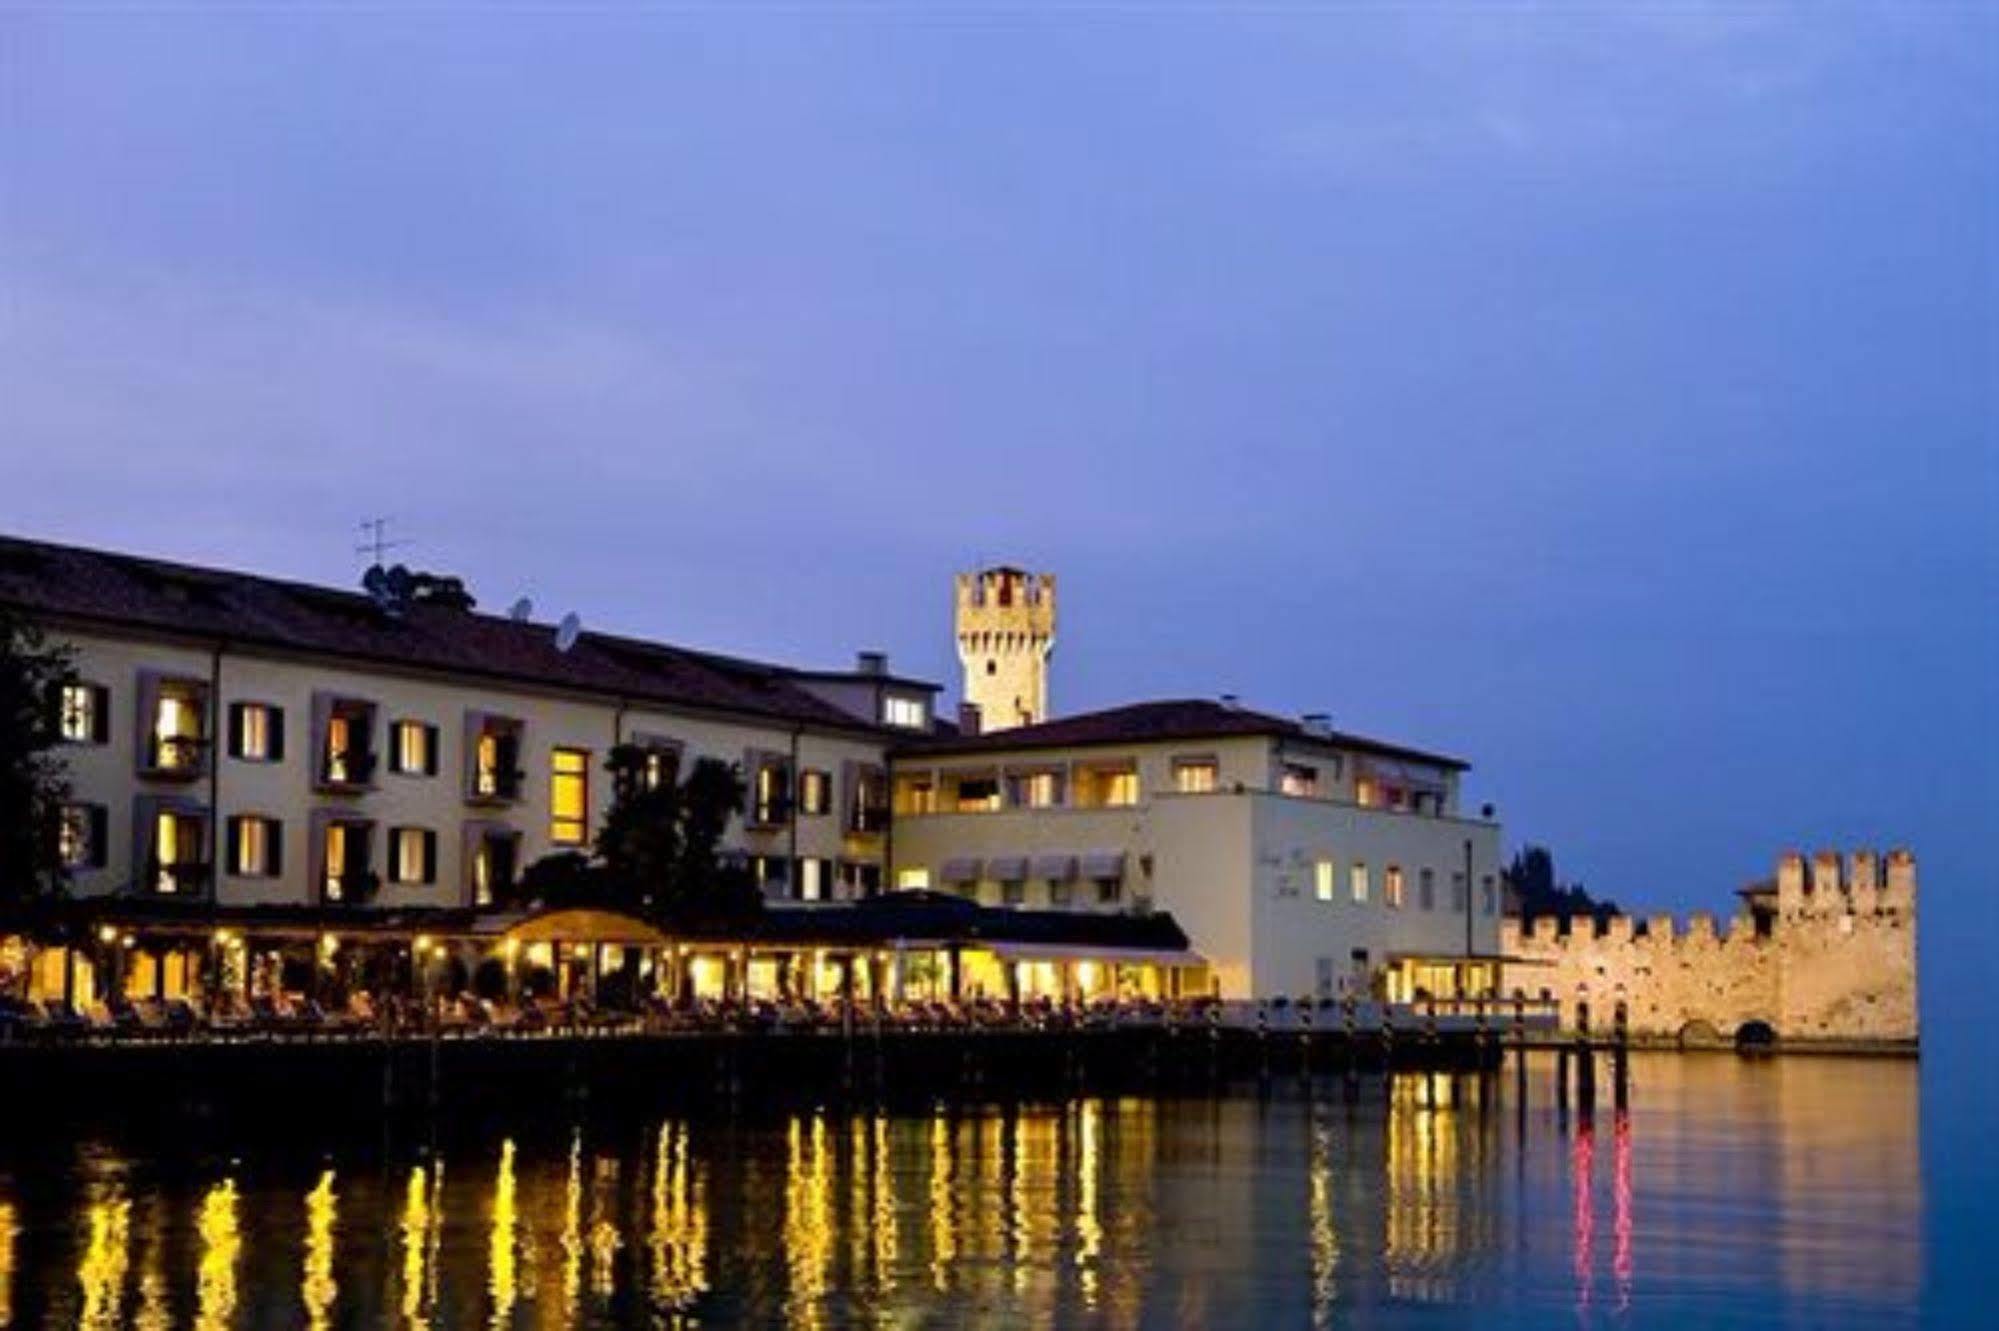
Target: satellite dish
column 402, row 584
column 375, row 581
column 520, row 610
column 566, row 632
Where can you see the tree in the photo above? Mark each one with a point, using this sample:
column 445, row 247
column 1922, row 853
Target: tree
column 34, row 782
column 660, row 851
column 1532, row 889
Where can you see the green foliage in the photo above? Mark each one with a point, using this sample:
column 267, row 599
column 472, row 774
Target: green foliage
column 1532, row 886
column 33, row 780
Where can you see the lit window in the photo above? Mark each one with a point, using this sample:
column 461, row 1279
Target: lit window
column 1358, row 877
column 659, row 768
column 492, row 867
column 80, row 836
column 496, row 757
column 812, row 880
column 1366, row 793
column 815, row 792
column 414, row 749
column 1391, row 887
column 1299, row 780
column 1040, row 790
column 979, row 794
column 912, row 880
column 914, row 797
column 1196, row 777
column 771, row 793
column 1120, row 788
column 256, row 732
column 412, row 855
column 907, row 713
column 347, row 751
column 569, row 797
column 1324, row 884
column 179, row 852
column 81, row 714
column 178, row 734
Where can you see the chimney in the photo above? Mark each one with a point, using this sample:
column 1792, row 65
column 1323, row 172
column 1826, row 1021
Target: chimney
column 1230, row 701
column 1319, row 725
column 871, row 663
column 968, row 718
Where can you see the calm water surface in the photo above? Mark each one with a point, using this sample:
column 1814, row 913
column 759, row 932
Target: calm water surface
column 1779, row 1193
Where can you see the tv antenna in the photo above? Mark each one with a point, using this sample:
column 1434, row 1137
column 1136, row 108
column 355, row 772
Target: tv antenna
column 566, row 632
column 375, row 540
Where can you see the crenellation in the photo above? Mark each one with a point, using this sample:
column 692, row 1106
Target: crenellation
column 1836, row 963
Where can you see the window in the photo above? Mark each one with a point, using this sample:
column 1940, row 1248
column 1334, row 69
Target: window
column 1037, row 790
column 177, row 733
column 915, row 795
column 1300, row 780
column 255, row 847
column 256, row 732
column 493, row 854
column 83, row 713
column 660, row 768
column 1358, row 877
column 1107, row 787
column 412, row 855
column 912, row 880
column 413, row 749
column 1013, row 892
column 346, row 874
column 1487, row 893
column 179, row 865
column 493, row 756
column 1366, row 793
column 347, row 742
column 814, row 880
column 1060, row 892
column 569, row 796
column 772, row 874
column 80, row 836
column 1426, row 888
column 869, row 793
column 1195, row 776
column 1109, row 889
column 1457, row 891
column 1391, row 887
column 860, row 879
column 1324, row 884
column 908, row 713
column 770, row 792
column 815, row 791
column 978, row 794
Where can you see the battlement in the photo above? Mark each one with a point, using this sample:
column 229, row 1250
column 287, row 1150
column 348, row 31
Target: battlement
column 1006, row 600
column 1831, row 958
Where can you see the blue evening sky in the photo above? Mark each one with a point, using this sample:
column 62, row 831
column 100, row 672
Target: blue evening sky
column 1604, row 393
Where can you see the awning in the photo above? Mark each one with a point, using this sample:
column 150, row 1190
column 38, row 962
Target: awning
column 1117, row 956
column 586, row 926
column 1416, row 776
column 1007, row 868
column 960, row 869
column 1058, row 866
column 1103, row 864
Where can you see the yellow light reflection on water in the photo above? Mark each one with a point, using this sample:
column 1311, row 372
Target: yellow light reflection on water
column 572, row 1230
column 316, row 1284
column 1089, row 1180
column 1324, row 1230
column 881, row 1186
column 679, row 1238
column 422, row 1223
column 1423, row 1222
column 808, row 1218
column 9, row 1228
column 100, row 1272
column 221, row 1244
column 503, row 1281
column 604, row 1237
column 943, row 1220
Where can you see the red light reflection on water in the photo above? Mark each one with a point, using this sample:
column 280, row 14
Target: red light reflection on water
column 1582, row 1164
column 1620, row 1262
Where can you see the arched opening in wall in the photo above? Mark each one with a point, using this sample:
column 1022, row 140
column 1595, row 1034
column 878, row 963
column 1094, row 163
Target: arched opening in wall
column 1755, row 1037
column 1701, row 1035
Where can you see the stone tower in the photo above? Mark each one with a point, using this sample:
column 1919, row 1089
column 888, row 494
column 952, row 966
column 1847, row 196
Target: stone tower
column 1006, row 632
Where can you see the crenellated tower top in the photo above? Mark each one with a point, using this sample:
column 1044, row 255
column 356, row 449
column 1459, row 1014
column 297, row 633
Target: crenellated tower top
column 1006, row 633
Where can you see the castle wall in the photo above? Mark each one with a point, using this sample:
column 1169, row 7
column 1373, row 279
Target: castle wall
column 1837, row 963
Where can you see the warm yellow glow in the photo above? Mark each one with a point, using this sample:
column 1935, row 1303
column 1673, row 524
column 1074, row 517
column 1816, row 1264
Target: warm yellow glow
column 808, row 1219
column 422, row 1226
column 580, row 951
column 329, row 944
column 1195, row 778
column 513, row 949
column 221, row 1244
column 569, row 796
column 100, row 1272
column 107, row 935
column 9, row 1229
column 317, row 1287
column 422, row 942
column 128, row 941
column 943, row 1216
column 1089, row 1180
column 504, row 1278
column 572, row 1228
column 1325, row 1238
column 679, row 1230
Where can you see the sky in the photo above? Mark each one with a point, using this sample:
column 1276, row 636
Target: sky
column 1605, row 394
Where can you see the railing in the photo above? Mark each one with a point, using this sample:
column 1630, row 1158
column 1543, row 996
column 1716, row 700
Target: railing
column 347, row 768
column 179, row 879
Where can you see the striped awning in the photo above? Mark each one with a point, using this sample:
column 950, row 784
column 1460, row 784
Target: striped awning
column 1007, row 868
column 1057, row 866
column 960, row 869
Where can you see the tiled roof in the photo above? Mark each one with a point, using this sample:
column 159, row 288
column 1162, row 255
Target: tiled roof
column 146, row 595
column 1173, row 719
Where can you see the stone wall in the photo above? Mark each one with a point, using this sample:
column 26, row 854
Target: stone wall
column 1832, row 958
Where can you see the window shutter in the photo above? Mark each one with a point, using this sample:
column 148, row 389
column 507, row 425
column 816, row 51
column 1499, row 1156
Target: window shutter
column 430, row 750
column 277, row 732
column 274, row 846
column 429, row 856
column 235, row 730
column 100, row 831
column 100, row 714
column 232, row 847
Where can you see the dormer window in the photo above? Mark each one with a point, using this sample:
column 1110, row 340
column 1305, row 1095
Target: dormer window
column 905, row 713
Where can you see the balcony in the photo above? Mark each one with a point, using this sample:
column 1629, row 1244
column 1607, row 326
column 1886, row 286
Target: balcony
column 869, row 820
column 347, row 771
column 182, row 879
column 175, row 757
column 356, row 887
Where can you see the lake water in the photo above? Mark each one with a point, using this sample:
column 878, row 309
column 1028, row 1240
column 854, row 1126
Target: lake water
column 1787, row 1192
